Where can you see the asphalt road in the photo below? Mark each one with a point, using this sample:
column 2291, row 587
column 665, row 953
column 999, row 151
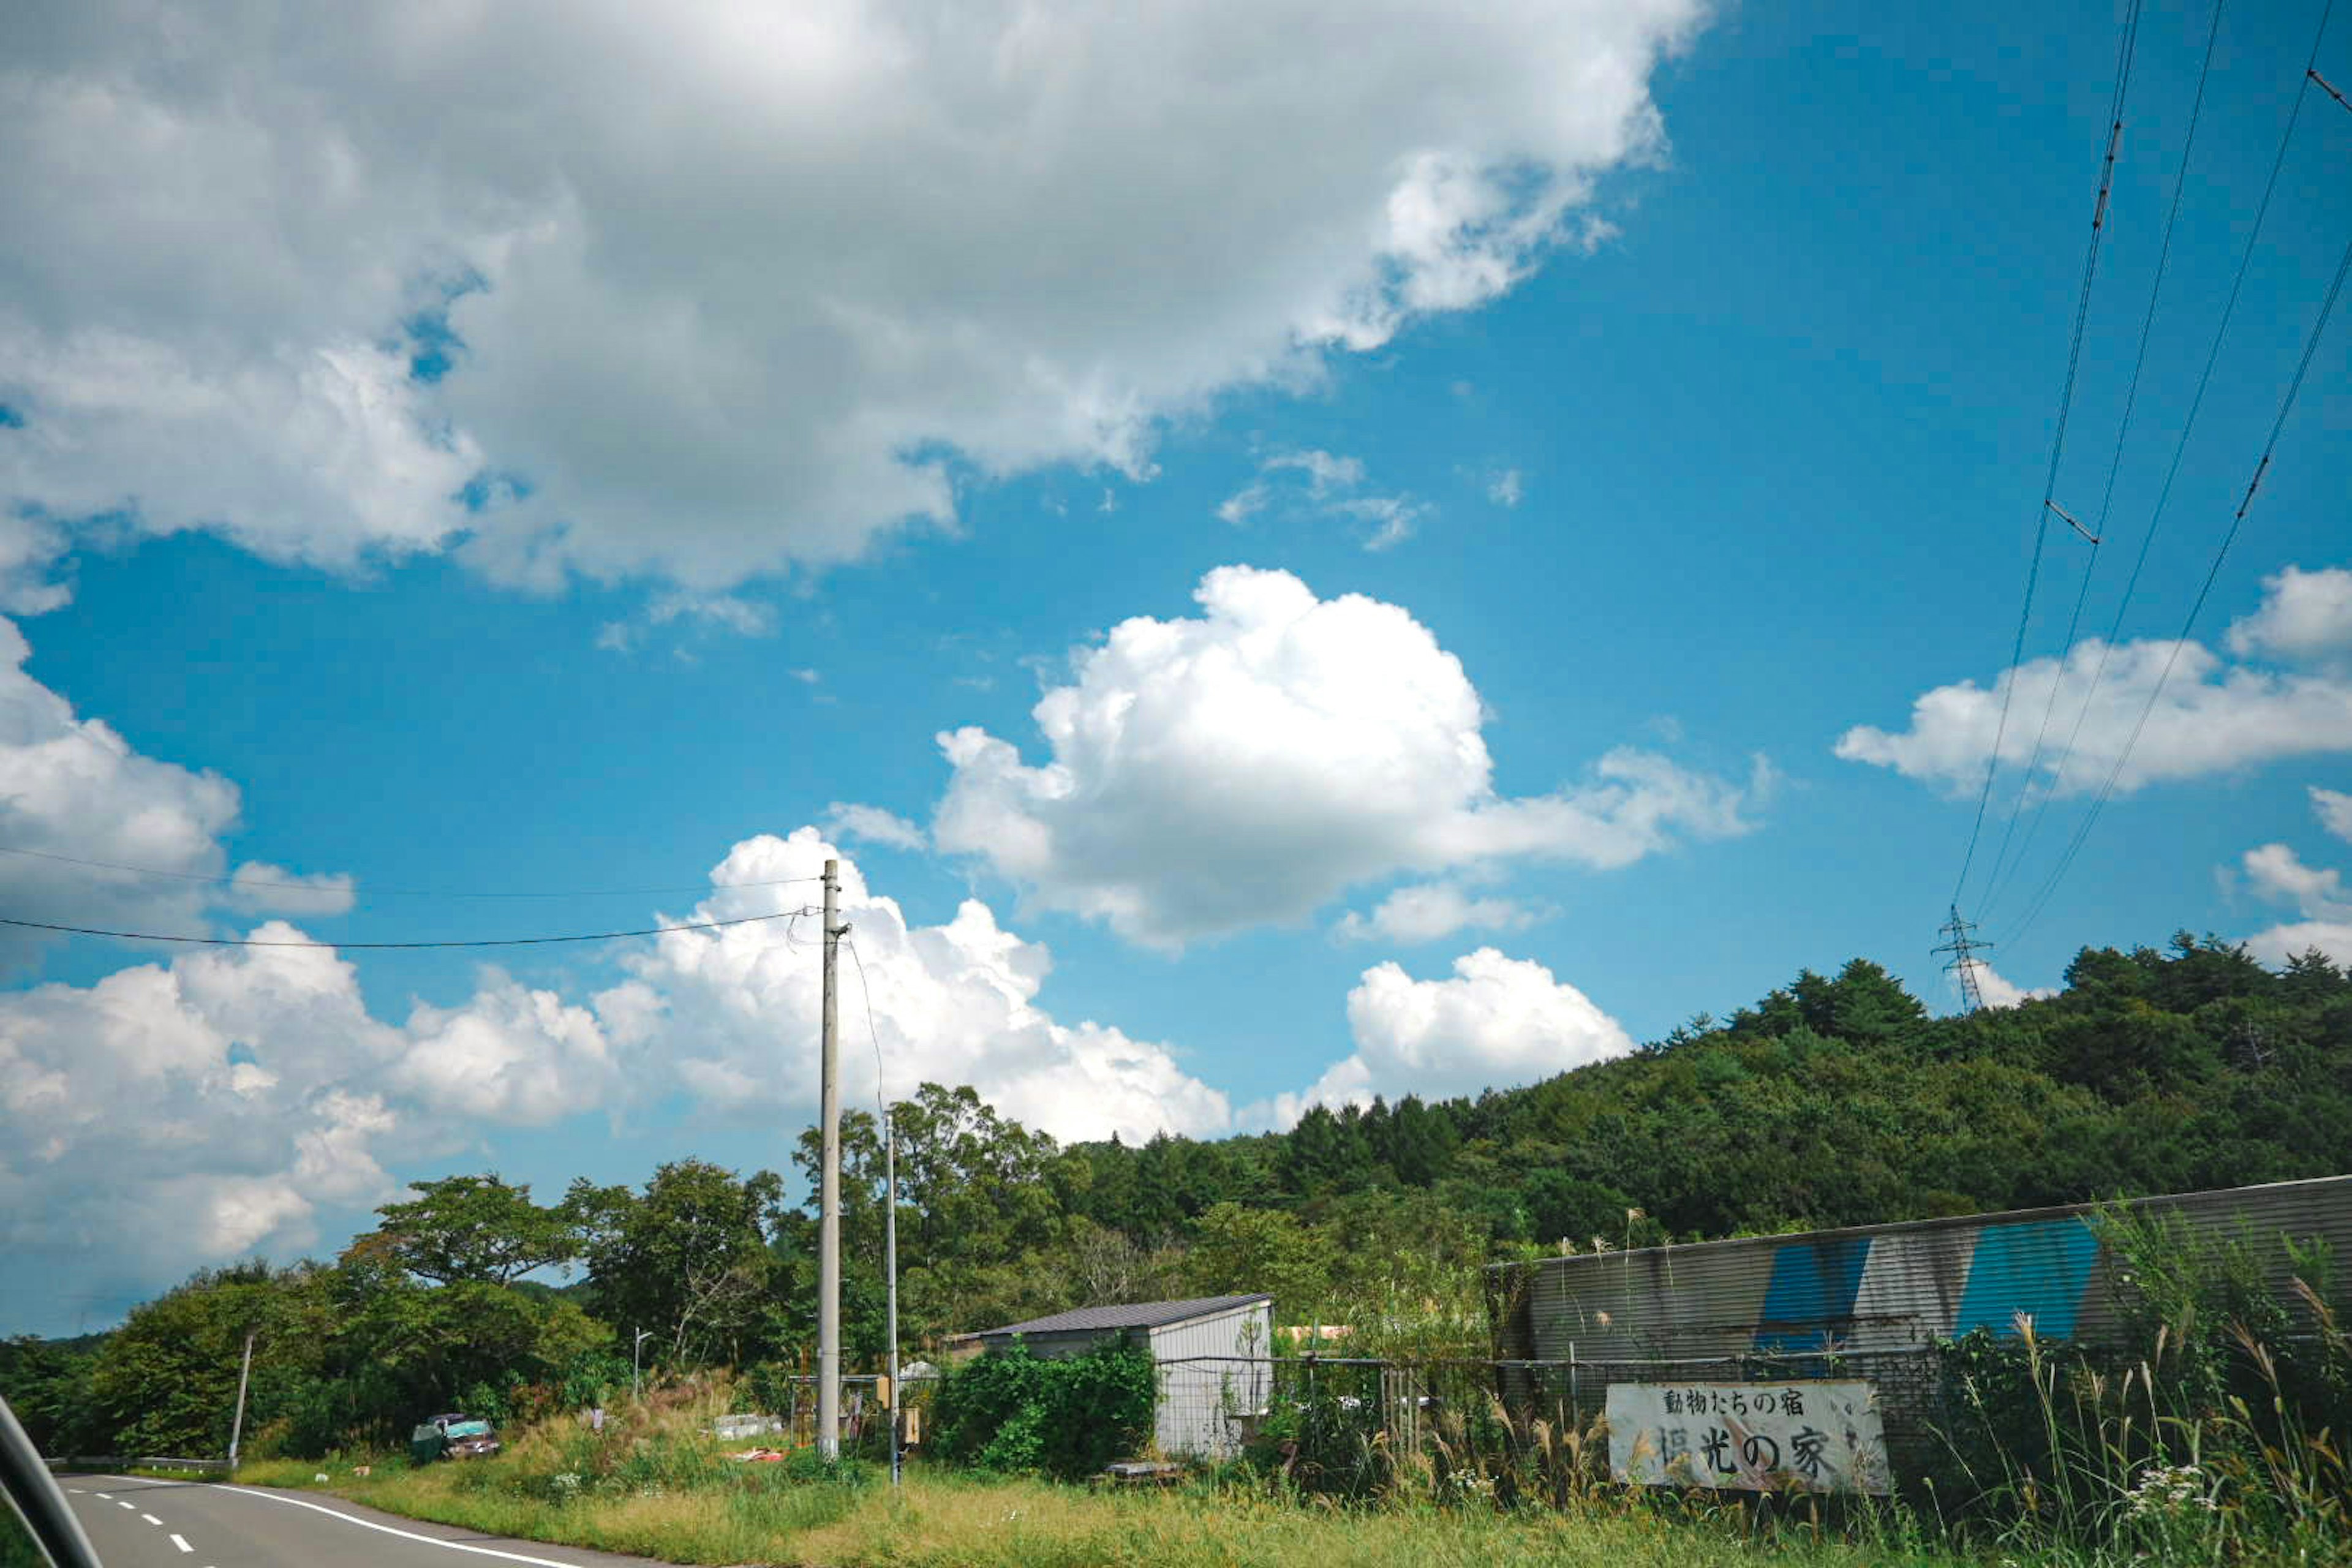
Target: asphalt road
column 140, row 1523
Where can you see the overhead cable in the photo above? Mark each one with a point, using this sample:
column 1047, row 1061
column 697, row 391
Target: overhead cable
column 1998, row 879
column 375, row 892
column 389, row 946
column 2262, row 469
column 2125, row 51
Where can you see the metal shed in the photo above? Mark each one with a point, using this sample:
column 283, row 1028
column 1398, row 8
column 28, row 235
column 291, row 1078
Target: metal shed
column 1213, row 1353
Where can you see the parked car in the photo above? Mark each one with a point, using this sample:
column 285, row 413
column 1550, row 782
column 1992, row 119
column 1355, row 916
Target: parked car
column 452, row 1437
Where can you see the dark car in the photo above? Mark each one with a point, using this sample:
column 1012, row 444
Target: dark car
column 452, row 1438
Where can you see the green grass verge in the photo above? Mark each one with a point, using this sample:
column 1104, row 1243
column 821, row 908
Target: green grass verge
column 760, row 1514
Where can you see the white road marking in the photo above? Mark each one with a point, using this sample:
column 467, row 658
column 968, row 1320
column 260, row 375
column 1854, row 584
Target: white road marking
column 388, row 1530
column 182, row 1543
column 132, row 1506
column 149, row 1517
column 108, row 1496
column 78, row 1491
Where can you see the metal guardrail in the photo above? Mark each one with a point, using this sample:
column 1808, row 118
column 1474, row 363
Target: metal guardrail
column 121, row 1462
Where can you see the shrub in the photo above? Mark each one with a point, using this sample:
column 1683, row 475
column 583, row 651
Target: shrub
column 1011, row 1411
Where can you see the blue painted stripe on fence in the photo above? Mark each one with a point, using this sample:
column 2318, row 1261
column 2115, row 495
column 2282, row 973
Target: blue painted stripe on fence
column 1812, row 1293
column 2041, row 1267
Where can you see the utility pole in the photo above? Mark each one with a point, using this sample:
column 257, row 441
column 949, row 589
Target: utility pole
column 236, row 1426
column 1963, row 948
column 890, row 1274
column 636, row 1346
column 828, row 1232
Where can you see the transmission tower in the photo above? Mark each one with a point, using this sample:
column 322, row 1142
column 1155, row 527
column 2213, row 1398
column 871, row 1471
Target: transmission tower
column 1964, row 948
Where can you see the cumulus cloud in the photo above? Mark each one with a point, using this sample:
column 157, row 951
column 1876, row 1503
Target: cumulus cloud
column 2335, row 810
column 734, row 1013
column 1495, row 1022
column 73, row 787
column 2211, row 717
column 2305, row 617
column 1430, row 911
column 176, row 1115
column 875, row 825
column 1998, row 991
column 1506, row 489
column 1250, row 766
column 2276, row 874
column 726, row 287
column 257, row 887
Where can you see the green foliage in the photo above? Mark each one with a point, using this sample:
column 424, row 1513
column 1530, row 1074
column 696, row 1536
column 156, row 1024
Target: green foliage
column 1010, row 1411
column 473, row 1228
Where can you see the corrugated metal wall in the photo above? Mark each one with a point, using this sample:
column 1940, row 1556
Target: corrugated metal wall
column 1199, row 1398
column 1879, row 1287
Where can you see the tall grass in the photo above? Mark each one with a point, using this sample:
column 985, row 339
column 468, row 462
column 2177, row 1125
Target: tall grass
column 652, row 1485
column 2220, row 1442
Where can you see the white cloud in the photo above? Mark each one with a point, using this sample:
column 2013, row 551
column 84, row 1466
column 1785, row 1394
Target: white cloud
column 2305, row 617
column 703, row 612
column 726, row 285
column 1998, row 992
column 1245, row 503
column 733, row 1014
column 257, row 887
column 1325, row 471
column 1430, row 911
column 1328, row 478
column 875, row 825
column 1506, row 489
column 2212, row 717
column 2276, row 874
column 1497, row 1022
column 1395, row 518
column 509, row 1055
column 73, row 787
column 2335, row 810
column 1248, row 766
column 238, row 1100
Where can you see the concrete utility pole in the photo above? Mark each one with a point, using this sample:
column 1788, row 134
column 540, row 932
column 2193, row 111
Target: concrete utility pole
column 236, row 1426
column 635, row 1346
column 828, row 1231
column 891, row 1271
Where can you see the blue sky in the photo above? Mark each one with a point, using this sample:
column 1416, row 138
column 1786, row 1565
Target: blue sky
column 1653, row 403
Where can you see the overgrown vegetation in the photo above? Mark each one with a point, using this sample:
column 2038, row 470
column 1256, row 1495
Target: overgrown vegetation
column 1833, row 1101
column 1009, row 1411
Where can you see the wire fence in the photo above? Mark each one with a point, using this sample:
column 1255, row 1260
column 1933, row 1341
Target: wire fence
column 1353, row 1427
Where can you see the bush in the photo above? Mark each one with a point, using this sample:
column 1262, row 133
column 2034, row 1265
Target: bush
column 1010, row 1411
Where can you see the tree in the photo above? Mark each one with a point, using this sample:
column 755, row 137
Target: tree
column 689, row 1258
column 475, row 1228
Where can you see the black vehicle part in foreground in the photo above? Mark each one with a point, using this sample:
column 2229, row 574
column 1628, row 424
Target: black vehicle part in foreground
column 34, row 1493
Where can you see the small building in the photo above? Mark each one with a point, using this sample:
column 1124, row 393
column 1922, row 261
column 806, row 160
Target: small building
column 1213, row 1353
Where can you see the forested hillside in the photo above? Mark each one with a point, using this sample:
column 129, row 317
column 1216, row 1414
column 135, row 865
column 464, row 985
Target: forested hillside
column 1834, row 1101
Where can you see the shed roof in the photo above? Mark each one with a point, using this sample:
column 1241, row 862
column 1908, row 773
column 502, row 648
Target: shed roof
column 1140, row 1315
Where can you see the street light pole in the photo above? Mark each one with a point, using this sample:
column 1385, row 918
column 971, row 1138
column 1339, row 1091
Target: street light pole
column 635, row 1346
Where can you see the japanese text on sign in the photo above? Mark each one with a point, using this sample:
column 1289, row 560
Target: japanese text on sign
column 1754, row 1436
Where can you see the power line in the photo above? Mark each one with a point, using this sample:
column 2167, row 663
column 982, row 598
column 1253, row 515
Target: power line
column 1996, row 882
column 375, row 892
column 2125, row 51
column 402, row 946
column 2287, row 406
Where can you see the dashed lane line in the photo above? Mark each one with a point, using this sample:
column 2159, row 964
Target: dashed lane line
column 182, row 1543
column 152, row 1519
